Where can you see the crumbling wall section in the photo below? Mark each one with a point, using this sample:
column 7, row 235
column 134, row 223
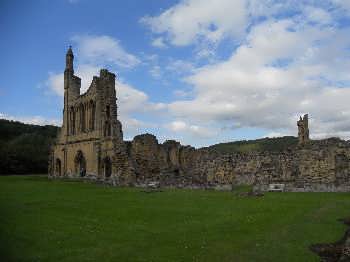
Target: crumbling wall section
column 322, row 164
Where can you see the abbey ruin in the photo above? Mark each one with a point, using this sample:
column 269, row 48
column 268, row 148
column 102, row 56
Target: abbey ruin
column 91, row 146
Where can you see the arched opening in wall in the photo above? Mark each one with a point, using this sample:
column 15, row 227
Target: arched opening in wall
column 72, row 120
column 107, row 128
column 108, row 111
column 58, row 167
column 107, row 167
column 80, row 164
column 107, row 124
column 82, row 118
column 92, row 115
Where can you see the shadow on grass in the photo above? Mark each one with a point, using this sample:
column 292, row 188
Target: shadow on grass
column 337, row 251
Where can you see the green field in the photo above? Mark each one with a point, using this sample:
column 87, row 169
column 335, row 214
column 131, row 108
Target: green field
column 44, row 220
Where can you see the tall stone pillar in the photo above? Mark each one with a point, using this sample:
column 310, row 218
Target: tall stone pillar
column 303, row 129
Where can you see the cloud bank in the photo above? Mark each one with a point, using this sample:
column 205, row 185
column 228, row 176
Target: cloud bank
column 33, row 120
column 292, row 58
column 283, row 59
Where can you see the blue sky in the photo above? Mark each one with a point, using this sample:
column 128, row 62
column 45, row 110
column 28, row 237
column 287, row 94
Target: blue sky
column 198, row 71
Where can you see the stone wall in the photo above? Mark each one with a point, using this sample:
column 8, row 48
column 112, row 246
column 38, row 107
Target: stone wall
column 321, row 165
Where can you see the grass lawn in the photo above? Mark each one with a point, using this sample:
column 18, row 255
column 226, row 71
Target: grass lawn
column 42, row 220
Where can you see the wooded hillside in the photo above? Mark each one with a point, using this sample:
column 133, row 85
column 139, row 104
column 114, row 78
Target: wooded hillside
column 263, row 144
column 24, row 148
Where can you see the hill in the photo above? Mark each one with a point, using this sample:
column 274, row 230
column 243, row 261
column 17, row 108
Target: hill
column 24, row 148
column 263, row 144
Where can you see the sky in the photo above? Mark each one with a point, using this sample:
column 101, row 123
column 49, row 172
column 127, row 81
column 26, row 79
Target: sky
column 197, row 71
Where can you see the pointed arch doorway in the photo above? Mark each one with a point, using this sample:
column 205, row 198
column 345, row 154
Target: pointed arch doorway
column 80, row 164
column 107, row 167
column 58, row 167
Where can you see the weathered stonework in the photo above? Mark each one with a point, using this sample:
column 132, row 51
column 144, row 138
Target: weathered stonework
column 318, row 166
column 91, row 145
column 303, row 129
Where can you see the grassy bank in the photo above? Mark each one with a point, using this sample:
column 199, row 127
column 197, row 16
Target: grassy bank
column 44, row 220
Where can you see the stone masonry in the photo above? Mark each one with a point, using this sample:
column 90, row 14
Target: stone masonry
column 90, row 142
column 303, row 129
column 91, row 145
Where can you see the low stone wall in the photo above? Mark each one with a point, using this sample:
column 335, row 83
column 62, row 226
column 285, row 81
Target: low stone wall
column 293, row 187
column 321, row 165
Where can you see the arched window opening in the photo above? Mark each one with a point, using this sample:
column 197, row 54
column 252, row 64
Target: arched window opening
column 58, row 167
column 108, row 111
column 83, row 119
column 72, row 120
column 80, row 164
column 107, row 128
column 107, row 167
column 92, row 115
column 76, row 120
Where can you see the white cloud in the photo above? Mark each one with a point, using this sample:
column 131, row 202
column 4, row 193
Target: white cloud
column 159, row 42
column 34, row 120
column 131, row 100
column 289, row 63
column 317, row 15
column 133, row 126
column 56, row 83
column 180, row 66
column 179, row 126
column 86, row 72
column 155, row 71
column 182, row 93
column 284, row 69
column 191, row 20
column 104, row 50
column 289, row 58
column 344, row 4
column 278, row 134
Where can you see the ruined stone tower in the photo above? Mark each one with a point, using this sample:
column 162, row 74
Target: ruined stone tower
column 91, row 139
column 303, row 129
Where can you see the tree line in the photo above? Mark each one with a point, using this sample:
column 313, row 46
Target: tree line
column 24, row 148
column 275, row 144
